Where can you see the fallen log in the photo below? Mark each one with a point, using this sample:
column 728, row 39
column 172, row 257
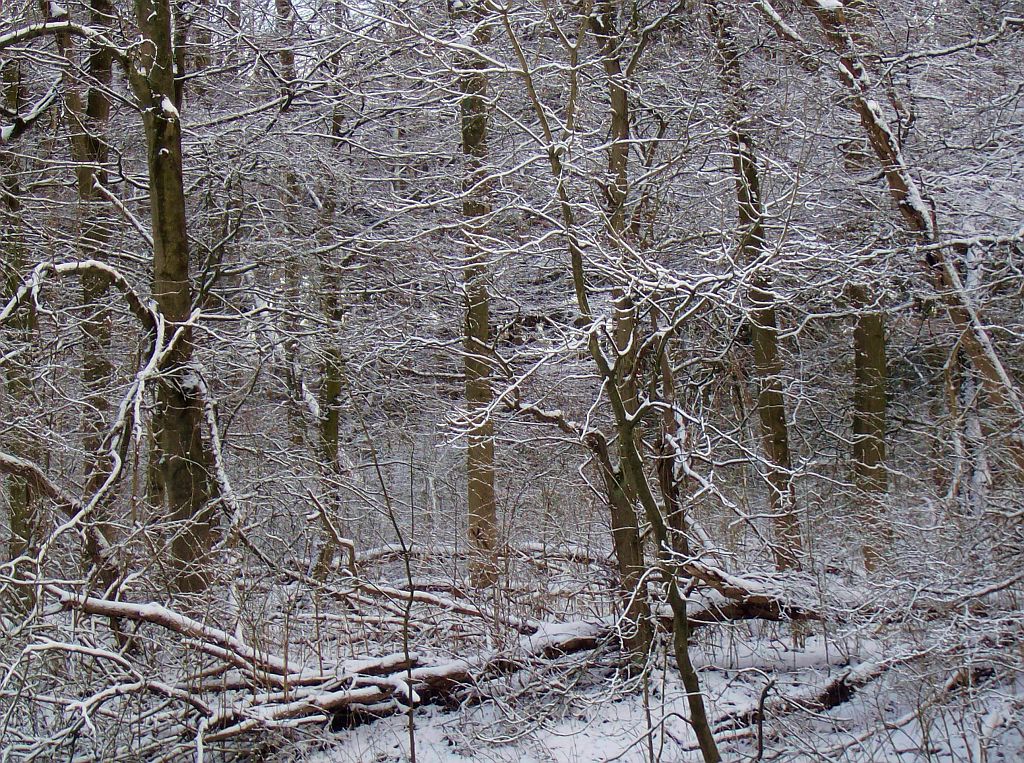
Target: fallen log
column 355, row 688
column 771, row 598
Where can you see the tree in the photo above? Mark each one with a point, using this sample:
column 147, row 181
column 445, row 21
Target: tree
column 473, row 107
column 22, row 504
column 763, row 323
column 920, row 219
column 182, row 458
column 180, row 453
column 622, row 498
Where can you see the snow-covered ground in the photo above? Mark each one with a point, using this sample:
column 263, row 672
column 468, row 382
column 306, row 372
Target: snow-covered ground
column 586, row 711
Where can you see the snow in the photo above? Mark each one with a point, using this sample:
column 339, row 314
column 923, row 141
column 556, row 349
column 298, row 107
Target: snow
column 830, row 5
column 533, row 719
column 168, row 108
column 387, row 662
column 551, row 634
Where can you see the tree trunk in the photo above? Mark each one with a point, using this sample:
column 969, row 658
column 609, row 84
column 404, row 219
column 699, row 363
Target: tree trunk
column 869, row 416
column 19, row 499
column 637, row 632
column 21, row 504
column 483, row 524
column 87, row 121
column 631, row 462
column 331, row 379
column 286, row 57
column 771, row 406
column 622, row 497
column 182, row 458
column 670, row 569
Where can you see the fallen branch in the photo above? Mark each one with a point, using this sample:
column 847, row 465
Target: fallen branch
column 358, row 689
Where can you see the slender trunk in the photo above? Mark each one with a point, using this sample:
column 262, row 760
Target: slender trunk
column 87, row 121
column 672, row 449
column 182, row 458
column 331, row 375
column 668, row 565
column 621, row 381
column 290, row 200
column 291, row 278
column 622, row 497
column 483, row 525
column 973, row 474
column 286, row 58
column 763, row 323
column 22, row 506
column 333, row 365
column 631, row 463
column 869, row 402
column 637, row 633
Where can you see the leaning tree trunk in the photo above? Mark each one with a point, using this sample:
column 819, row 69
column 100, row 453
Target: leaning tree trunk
column 918, row 217
column 667, row 562
column 182, row 457
column 763, row 323
column 482, row 513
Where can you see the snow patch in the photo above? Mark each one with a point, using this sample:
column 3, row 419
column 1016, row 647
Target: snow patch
column 168, row 108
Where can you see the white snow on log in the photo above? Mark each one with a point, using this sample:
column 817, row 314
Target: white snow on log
column 554, row 635
column 454, row 671
column 379, row 664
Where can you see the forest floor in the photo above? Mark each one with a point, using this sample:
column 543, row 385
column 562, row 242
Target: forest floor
column 838, row 665
column 581, row 708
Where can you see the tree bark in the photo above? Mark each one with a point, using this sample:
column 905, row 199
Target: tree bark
column 182, row 458
column 763, row 323
column 88, row 117
column 482, row 511
column 869, row 416
column 637, row 632
column 21, row 503
column 331, row 375
column 622, row 498
column 631, row 463
column 670, row 569
column 919, row 219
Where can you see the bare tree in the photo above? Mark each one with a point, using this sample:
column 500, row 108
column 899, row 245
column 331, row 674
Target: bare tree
column 474, row 108
column 763, row 323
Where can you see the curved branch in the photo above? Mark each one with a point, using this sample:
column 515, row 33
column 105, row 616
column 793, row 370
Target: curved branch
column 37, row 479
column 140, row 309
column 48, row 28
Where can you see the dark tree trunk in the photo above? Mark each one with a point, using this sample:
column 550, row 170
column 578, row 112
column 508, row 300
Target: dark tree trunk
column 182, row 458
